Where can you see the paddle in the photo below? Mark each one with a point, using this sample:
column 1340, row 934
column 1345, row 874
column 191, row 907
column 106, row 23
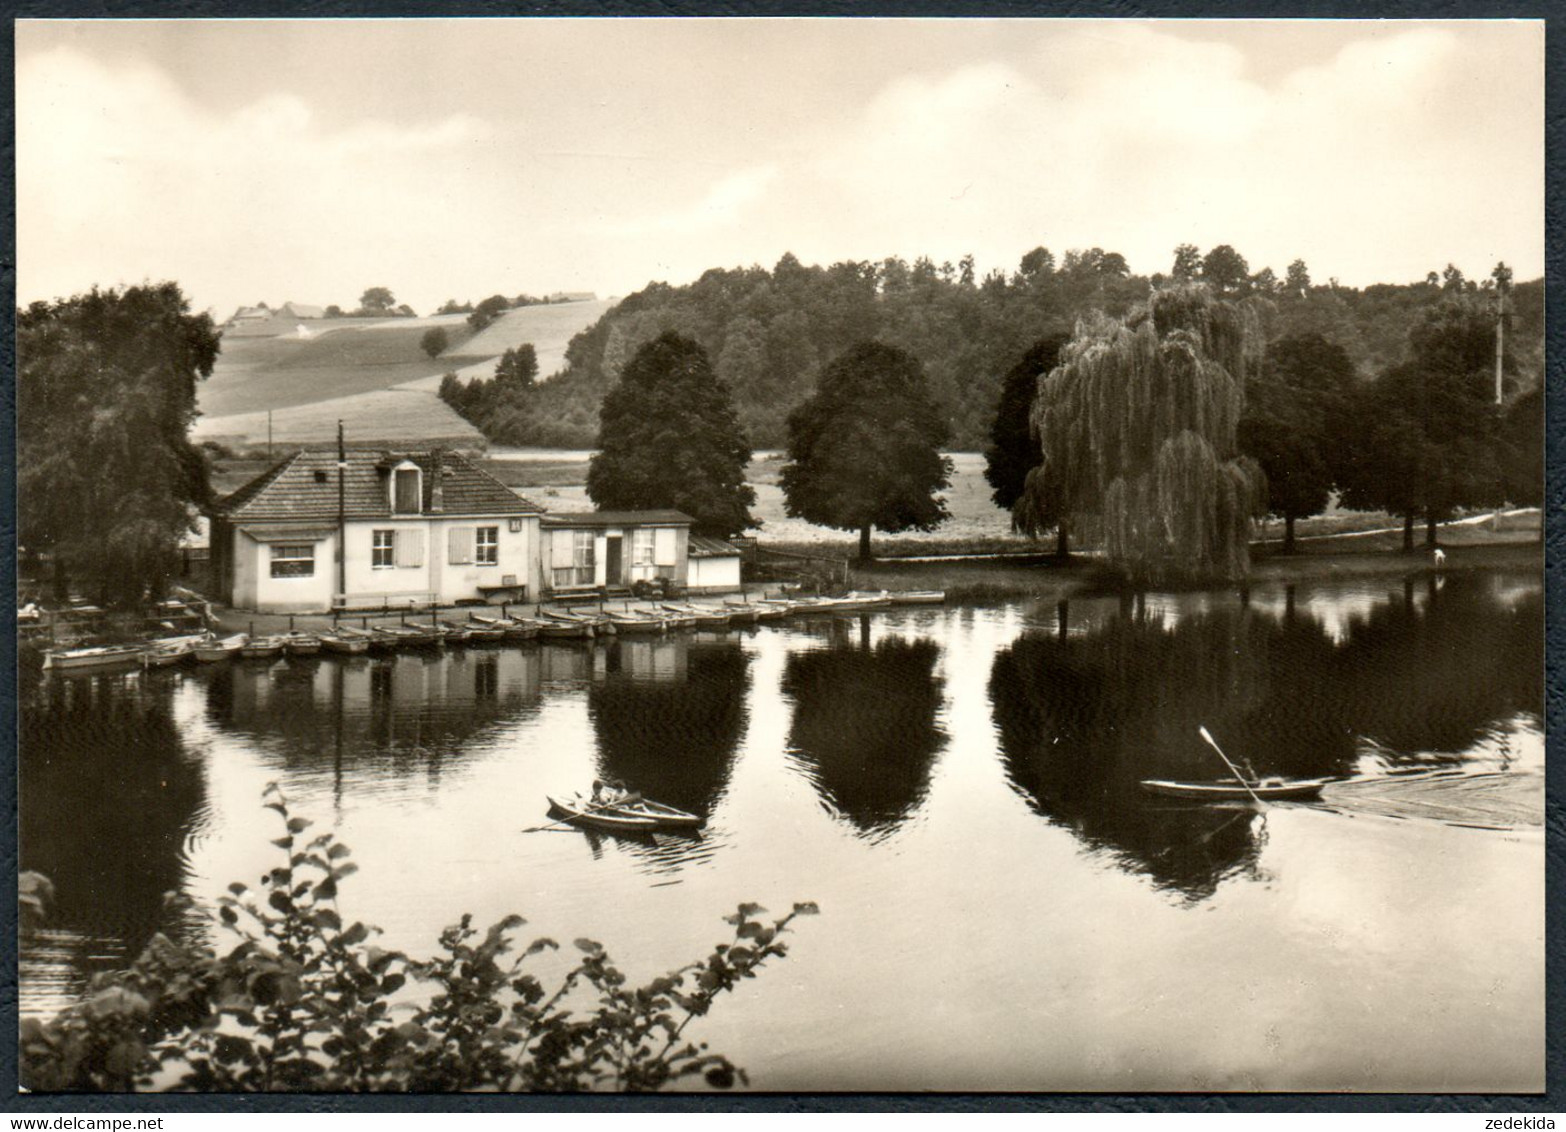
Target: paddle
column 1214, row 744
column 568, row 821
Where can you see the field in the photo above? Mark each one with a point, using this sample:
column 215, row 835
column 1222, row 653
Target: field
column 373, row 375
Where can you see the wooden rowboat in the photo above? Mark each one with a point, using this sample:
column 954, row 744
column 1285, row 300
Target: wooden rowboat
column 301, row 644
column 1233, row 790
column 212, row 651
column 98, row 656
column 262, row 648
column 918, row 597
column 345, row 643
column 578, row 812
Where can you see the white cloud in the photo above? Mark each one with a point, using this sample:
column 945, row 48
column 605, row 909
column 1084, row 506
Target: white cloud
column 117, row 166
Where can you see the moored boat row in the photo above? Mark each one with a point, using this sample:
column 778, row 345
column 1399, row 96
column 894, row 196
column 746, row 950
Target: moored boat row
column 552, row 623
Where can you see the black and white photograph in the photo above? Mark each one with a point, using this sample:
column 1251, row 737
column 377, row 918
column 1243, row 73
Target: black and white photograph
column 780, row 555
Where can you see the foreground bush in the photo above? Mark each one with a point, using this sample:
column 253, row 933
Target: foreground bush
column 303, row 1002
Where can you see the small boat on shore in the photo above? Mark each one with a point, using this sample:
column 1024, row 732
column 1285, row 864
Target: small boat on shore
column 93, row 656
column 772, row 608
column 918, row 597
column 214, row 649
column 511, row 628
column 165, row 652
column 345, row 643
column 858, row 600
column 742, row 612
column 635, row 621
column 556, row 627
column 475, row 632
column 701, row 616
column 301, row 644
column 1233, row 790
column 262, row 648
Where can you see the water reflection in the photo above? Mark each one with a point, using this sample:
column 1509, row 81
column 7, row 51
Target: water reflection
column 1104, row 699
column 376, row 717
column 667, row 717
column 865, row 724
column 111, row 793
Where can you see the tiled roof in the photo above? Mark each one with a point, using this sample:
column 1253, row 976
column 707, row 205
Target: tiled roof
column 304, row 487
column 703, row 546
column 616, row 518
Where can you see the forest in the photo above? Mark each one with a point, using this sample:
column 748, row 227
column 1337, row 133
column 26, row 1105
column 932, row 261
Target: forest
column 770, row 332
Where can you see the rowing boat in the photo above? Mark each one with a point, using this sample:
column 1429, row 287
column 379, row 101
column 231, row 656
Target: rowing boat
column 97, row 656
column 214, row 650
column 635, row 621
column 578, row 812
column 1233, row 790
column 511, row 628
column 918, row 597
column 702, row 616
column 301, row 644
column 345, row 643
column 262, row 648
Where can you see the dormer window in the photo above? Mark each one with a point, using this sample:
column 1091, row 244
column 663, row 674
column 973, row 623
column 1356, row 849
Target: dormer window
column 407, row 490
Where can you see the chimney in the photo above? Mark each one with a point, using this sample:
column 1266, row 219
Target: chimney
column 437, row 489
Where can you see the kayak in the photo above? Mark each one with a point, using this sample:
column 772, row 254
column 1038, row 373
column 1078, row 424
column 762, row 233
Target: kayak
column 1232, row 790
column 578, row 812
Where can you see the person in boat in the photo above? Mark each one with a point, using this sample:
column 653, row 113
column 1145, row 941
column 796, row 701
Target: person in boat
column 605, row 795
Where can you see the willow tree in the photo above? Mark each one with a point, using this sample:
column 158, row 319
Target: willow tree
column 1137, row 430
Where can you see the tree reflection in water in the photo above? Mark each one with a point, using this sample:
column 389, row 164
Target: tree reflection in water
column 668, row 717
column 1083, row 719
column 864, row 726
column 112, row 794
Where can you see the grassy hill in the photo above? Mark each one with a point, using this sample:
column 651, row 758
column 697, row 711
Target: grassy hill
column 371, row 373
column 257, row 374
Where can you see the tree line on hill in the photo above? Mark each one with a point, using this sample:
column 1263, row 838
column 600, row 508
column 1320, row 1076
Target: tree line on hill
column 770, row 333
column 1160, row 431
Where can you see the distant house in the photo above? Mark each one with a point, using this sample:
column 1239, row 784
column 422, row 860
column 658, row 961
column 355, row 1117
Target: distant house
column 263, row 322
column 432, row 526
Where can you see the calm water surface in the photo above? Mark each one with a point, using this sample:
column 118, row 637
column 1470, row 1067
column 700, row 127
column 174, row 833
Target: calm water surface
column 1002, row 907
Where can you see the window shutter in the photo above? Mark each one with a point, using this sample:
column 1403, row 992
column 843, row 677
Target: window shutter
column 663, row 546
column 459, row 546
column 410, row 548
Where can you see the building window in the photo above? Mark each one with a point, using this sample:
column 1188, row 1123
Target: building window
column 383, row 551
column 486, row 546
column 405, row 497
column 293, row 560
column 582, row 544
column 642, row 546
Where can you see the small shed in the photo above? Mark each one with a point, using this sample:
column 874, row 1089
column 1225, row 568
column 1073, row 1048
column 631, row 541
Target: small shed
column 714, row 565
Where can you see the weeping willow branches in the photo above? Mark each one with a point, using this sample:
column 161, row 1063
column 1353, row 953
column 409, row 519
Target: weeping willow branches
column 1137, row 428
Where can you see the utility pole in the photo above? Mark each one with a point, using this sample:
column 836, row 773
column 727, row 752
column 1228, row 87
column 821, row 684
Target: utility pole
column 1503, row 286
column 342, row 539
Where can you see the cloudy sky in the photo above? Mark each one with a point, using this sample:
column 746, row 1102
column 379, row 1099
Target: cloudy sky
column 308, row 160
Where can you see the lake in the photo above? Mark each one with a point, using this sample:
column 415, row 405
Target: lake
column 1002, row 906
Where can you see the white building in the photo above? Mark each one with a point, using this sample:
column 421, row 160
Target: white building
column 432, row 527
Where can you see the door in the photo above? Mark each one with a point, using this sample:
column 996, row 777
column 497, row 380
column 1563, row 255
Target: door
column 614, row 569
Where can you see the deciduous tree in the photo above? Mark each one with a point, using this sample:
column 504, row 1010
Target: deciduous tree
column 668, row 437
column 1425, row 436
column 1014, row 450
column 107, row 478
column 1137, row 425
column 377, row 299
column 434, row 341
column 1295, row 414
column 865, row 449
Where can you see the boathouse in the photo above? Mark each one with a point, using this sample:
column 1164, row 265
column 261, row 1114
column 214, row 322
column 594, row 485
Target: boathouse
column 613, row 550
column 428, row 527
column 416, row 528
